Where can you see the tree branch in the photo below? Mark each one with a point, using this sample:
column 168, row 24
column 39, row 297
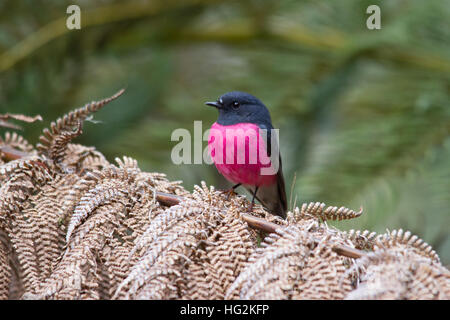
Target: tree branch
column 7, row 153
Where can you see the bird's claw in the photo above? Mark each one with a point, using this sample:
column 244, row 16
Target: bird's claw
column 228, row 192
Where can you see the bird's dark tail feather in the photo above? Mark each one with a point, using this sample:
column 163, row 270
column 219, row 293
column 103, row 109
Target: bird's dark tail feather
column 273, row 197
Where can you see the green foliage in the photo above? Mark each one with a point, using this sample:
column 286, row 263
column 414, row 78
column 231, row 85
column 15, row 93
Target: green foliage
column 364, row 115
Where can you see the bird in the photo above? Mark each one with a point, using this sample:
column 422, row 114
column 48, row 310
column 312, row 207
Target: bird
column 242, row 118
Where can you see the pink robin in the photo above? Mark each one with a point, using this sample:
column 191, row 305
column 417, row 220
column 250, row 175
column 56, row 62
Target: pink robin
column 244, row 149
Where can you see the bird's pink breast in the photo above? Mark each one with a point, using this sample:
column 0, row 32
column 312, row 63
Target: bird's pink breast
column 239, row 153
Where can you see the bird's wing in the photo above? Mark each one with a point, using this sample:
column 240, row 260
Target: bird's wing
column 273, row 197
column 281, row 190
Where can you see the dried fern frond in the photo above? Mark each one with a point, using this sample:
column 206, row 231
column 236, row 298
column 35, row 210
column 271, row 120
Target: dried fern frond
column 314, row 272
column 406, row 240
column 163, row 222
column 324, row 276
column 401, row 274
column 108, row 185
column 16, row 141
column 20, row 178
column 76, row 274
column 13, row 286
column 35, row 234
column 31, row 166
column 176, row 240
column 202, row 279
column 5, row 269
column 364, row 240
column 231, row 245
column 57, row 150
column 127, row 163
column 116, row 265
column 165, row 247
column 6, row 124
column 275, row 267
column 22, row 233
column 54, row 141
column 318, row 210
column 46, row 213
column 4, row 117
column 80, row 159
column 14, row 147
column 20, row 117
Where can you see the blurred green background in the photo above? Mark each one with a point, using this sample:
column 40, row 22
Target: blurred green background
column 364, row 115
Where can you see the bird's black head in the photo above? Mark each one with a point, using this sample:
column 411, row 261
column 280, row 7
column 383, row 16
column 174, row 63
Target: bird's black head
column 237, row 107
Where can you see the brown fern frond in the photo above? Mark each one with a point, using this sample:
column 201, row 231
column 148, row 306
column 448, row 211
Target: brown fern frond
column 163, row 222
column 325, row 275
column 127, row 163
column 166, row 247
column 202, row 279
column 318, row 210
column 162, row 245
column 53, row 142
column 275, row 267
column 144, row 209
column 400, row 239
column 16, row 141
column 76, row 276
column 106, row 193
column 81, row 159
column 108, row 185
column 31, row 166
column 233, row 245
column 4, row 117
column 20, row 178
column 103, row 284
column 46, row 214
column 57, row 150
column 117, row 264
column 91, row 186
column 6, row 124
column 22, row 233
column 38, row 223
column 5, row 268
column 400, row 274
column 20, row 117
column 364, row 240
column 158, row 266
column 79, row 188
column 15, row 281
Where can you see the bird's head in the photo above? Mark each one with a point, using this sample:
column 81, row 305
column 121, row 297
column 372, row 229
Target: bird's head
column 237, row 107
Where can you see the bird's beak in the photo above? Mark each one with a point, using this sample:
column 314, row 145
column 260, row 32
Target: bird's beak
column 214, row 104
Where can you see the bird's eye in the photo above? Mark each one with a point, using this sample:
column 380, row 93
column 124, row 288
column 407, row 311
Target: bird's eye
column 235, row 104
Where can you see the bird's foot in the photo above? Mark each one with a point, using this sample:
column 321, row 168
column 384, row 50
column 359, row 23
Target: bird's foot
column 250, row 208
column 228, row 193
